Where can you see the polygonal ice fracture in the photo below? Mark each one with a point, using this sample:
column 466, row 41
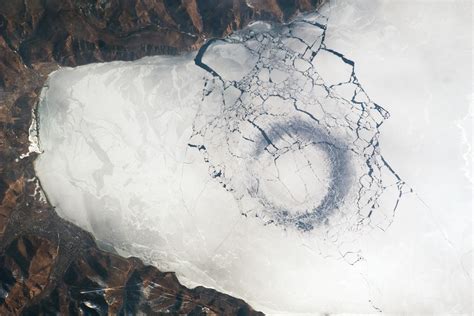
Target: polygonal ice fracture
column 282, row 91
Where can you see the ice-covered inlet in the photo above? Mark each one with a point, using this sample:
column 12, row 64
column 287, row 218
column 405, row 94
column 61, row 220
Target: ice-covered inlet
column 252, row 166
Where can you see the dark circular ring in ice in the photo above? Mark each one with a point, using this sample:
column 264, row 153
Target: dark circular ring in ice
column 338, row 179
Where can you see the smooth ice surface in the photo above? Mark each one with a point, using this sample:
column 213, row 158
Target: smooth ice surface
column 262, row 167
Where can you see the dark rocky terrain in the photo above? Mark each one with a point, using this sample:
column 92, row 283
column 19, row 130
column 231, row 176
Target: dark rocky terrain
column 47, row 265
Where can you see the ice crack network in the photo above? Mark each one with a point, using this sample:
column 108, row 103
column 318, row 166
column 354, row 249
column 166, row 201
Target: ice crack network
column 287, row 128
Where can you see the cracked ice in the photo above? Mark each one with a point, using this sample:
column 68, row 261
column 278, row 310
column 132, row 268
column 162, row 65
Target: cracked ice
column 253, row 166
column 295, row 137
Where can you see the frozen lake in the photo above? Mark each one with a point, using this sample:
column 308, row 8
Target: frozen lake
column 319, row 166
